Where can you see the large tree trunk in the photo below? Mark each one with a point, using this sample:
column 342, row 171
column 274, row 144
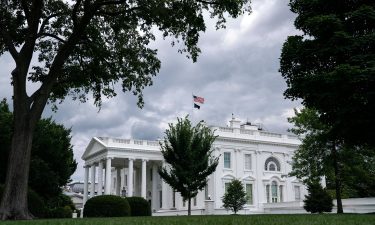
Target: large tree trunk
column 14, row 202
column 337, row 180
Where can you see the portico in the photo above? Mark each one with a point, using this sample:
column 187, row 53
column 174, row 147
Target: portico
column 126, row 172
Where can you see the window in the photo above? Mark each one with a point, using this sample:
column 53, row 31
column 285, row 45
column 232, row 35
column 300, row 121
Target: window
column 272, row 164
column 151, row 174
column 274, row 191
column 195, row 201
column 227, row 160
column 247, row 162
column 268, row 193
column 272, row 167
column 226, row 185
column 297, row 193
column 249, row 194
column 183, row 203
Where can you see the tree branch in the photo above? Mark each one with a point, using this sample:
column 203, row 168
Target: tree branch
column 46, row 20
column 75, row 11
column 8, row 40
column 26, row 11
column 99, row 4
column 107, row 13
column 51, row 35
column 208, row 2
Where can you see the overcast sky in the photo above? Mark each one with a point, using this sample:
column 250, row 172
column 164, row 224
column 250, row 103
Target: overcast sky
column 237, row 72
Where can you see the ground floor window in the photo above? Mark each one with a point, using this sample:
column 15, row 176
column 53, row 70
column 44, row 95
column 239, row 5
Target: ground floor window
column 249, row 194
column 274, row 191
column 297, row 193
column 268, row 193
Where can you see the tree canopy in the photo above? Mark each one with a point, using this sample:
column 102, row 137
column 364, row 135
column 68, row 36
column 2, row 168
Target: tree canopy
column 188, row 152
column 87, row 47
column 52, row 159
column 331, row 65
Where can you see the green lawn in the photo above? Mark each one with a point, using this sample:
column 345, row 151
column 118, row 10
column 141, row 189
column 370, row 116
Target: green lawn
column 346, row 219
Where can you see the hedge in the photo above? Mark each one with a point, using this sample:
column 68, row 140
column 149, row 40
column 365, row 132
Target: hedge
column 106, row 206
column 139, row 206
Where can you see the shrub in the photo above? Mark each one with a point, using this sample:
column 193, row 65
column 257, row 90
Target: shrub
column 36, row 204
column 60, row 212
column 106, row 206
column 318, row 200
column 235, row 196
column 139, row 206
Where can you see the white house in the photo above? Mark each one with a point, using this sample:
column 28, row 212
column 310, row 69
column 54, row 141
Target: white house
column 260, row 159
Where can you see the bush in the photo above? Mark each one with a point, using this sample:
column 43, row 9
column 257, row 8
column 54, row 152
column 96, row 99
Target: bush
column 36, row 204
column 60, row 212
column 318, row 200
column 139, row 206
column 106, row 206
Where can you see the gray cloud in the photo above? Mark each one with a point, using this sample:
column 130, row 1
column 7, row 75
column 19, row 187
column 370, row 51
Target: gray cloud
column 237, row 72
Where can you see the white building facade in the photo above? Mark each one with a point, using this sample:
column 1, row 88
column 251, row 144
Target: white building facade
column 260, row 159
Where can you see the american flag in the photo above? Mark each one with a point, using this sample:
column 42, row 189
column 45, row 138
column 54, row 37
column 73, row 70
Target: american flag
column 198, row 99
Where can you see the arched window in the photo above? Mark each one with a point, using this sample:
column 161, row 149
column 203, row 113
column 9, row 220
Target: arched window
column 272, row 164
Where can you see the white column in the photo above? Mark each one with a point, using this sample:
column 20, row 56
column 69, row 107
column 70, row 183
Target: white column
column 92, row 190
column 100, row 178
column 164, row 189
column 118, row 182
column 108, row 168
column 143, row 183
column 155, row 194
column 130, row 177
column 86, row 185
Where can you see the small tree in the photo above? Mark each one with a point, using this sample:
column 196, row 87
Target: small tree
column 235, row 196
column 188, row 152
column 318, row 200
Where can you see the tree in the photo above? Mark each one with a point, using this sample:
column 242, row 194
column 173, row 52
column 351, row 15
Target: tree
column 52, row 159
column 235, row 196
column 188, row 152
column 331, row 65
column 318, row 200
column 87, row 47
column 349, row 170
column 318, row 153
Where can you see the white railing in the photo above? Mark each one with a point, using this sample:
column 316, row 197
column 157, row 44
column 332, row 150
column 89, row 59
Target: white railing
column 122, row 141
column 269, row 134
column 242, row 131
column 153, row 143
column 138, row 142
column 226, row 129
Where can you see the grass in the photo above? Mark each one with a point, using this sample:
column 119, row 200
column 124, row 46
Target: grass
column 307, row 219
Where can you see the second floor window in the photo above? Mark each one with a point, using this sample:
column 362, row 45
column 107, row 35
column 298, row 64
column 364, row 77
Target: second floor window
column 247, row 162
column 227, row 160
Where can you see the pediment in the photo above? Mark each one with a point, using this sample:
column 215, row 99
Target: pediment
column 95, row 145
